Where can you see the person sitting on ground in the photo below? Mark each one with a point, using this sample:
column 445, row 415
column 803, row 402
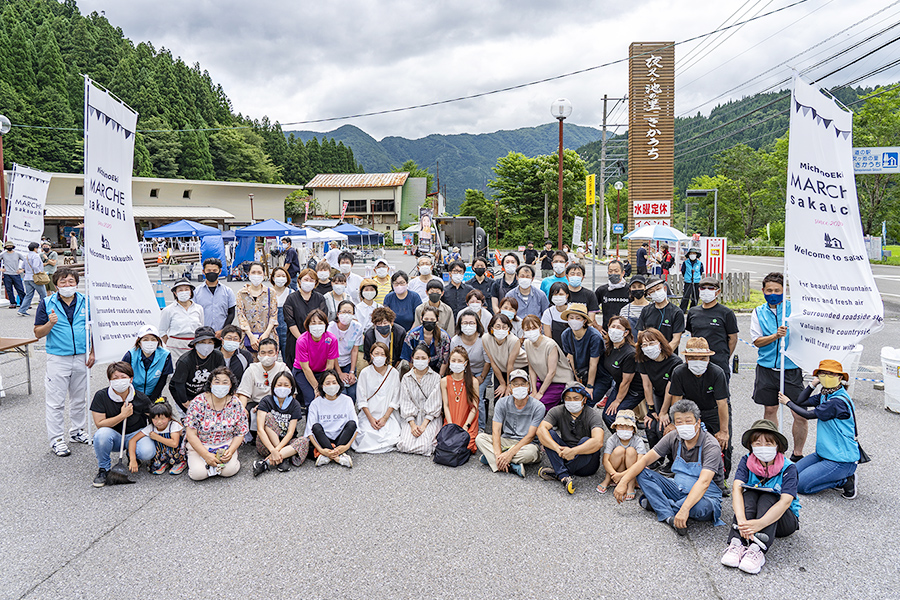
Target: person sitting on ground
column 215, row 426
column 317, row 352
column 256, row 382
column 550, row 370
column 278, row 439
column 696, row 490
column 622, row 450
column 430, row 335
column 572, row 437
column 833, row 464
column 459, row 392
column 237, row 357
column 378, row 399
column 584, row 348
column 469, row 337
column 151, row 362
column 109, row 408
column 165, row 432
column 420, row 406
column 512, row 444
column 331, row 424
column 764, row 498
column 655, row 363
column 193, row 369
column 349, row 334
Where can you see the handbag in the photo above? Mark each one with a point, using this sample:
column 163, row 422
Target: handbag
column 41, row 278
column 452, row 448
column 863, row 457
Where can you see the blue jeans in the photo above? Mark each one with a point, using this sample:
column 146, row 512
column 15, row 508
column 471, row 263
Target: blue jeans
column 307, row 393
column 483, row 402
column 281, row 330
column 603, row 381
column 107, row 440
column 666, row 498
column 630, row 400
column 30, row 288
column 582, row 465
column 13, row 285
column 816, row 474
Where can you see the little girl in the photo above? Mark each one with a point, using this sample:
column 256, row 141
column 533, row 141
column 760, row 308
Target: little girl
column 622, row 450
column 332, row 422
column 165, row 432
column 277, row 441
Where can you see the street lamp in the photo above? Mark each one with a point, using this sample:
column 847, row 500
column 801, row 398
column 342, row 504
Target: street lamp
column 701, row 193
column 560, row 109
column 252, row 219
column 619, row 185
column 5, row 126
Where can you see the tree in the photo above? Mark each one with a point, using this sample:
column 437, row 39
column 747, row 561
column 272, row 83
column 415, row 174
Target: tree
column 238, row 156
column 751, row 194
column 478, row 206
column 414, row 170
column 295, row 205
column 876, row 124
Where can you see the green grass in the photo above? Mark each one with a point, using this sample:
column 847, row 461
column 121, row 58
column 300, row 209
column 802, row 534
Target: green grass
column 893, row 259
column 756, row 298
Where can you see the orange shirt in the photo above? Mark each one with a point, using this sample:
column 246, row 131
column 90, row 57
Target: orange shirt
column 457, row 399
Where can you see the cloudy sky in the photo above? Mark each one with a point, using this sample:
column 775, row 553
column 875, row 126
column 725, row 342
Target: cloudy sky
column 296, row 60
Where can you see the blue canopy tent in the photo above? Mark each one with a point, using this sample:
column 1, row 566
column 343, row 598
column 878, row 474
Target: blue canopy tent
column 376, row 237
column 268, row 228
column 182, row 228
column 356, row 236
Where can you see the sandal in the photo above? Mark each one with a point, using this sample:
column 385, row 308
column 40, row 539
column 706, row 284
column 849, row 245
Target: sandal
column 601, row 489
column 629, row 496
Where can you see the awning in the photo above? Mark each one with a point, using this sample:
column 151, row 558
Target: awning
column 76, row 211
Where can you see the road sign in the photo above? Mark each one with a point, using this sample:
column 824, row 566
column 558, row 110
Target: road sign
column 590, row 189
column 618, row 228
column 876, row 160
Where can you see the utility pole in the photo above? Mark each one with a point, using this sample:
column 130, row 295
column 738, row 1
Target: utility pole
column 546, row 208
column 602, row 199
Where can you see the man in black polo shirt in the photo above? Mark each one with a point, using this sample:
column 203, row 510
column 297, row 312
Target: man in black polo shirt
column 546, row 257
column 455, row 290
column 704, row 383
column 579, row 294
column 662, row 314
column 612, row 296
column 714, row 322
column 506, row 282
column 530, row 254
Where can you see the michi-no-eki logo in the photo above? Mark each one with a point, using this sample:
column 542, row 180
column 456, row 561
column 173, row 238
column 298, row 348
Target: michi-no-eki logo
column 833, row 243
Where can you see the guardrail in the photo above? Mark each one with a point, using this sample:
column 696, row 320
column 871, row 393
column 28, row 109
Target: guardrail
column 735, row 286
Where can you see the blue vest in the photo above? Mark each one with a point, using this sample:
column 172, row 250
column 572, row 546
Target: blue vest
column 770, row 356
column 774, row 484
column 692, row 270
column 835, row 439
column 65, row 338
column 145, row 380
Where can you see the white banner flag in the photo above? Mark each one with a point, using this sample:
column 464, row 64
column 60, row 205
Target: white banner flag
column 25, row 206
column 122, row 300
column 835, row 302
column 577, row 228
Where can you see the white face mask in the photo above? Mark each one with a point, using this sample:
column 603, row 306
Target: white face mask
column 457, row 367
column 257, row 279
column 324, row 275
column 219, row 390
column 280, row 281
column 624, row 434
column 573, row 406
column 369, row 294
column 379, row 361
column 282, row 392
column 424, row 269
column 230, row 345
column 652, row 351
column 345, row 268
column 331, row 390
column 532, row 335
column 381, row 272
column 616, row 335
column 183, row 296
column 576, row 324
column 420, row 364
column 267, row 361
column 307, row 286
column 765, row 453
column 66, row 292
column 501, row 334
column 686, row 432
column 149, row 347
column 520, row 392
column 698, row 367
column 316, row 329
column 400, row 289
column 339, row 289
column 120, row 385
column 524, row 283
column 659, row 296
column 469, row 328
column 559, row 300
column 510, row 269
column 707, row 296
column 345, row 318
column 476, row 306
column 692, row 256
column 204, row 350
column 558, row 268
column 456, row 278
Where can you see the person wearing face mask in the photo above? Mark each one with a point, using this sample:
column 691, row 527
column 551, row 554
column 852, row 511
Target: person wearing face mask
column 417, row 284
column 279, row 440
column 402, row 301
column 619, row 362
column 12, row 274
column 280, row 280
column 49, row 258
column 546, row 257
column 436, row 301
column 337, row 295
column 345, row 266
column 218, row 301
column 323, row 277
column 655, row 362
column 432, row 336
column 641, row 258
column 704, row 383
column 470, row 331
column 662, row 315
column 768, row 329
column 764, row 498
column 150, row 362
column 237, row 358
column 512, row 443
column 552, row 323
column 692, row 271
column 558, row 265
column 421, row 406
column 455, row 290
column 257, row 309
column 257, row 379
column 505, row 284
column 532, row 301
column 349, row 334
column 215, row 427
column 317, row 352
column 614, row 294
column 530, row 255
column 666, row 261
column 578, row 293
column 482, row 281
column 584, row 349
column 297, row 307
column 622, row 450
column 833, row 464
column 382, row 279
column 572, row 437
column 637, row 293
column 193, row 369
column 475, row 301
column 509, row 307
column 696, row 464
column 548, row 367
column 112, row 405
column 291, row 262
column 179, row 320
column 385, row 330
column 368, row 291
column 332, row 425
column 504, row 352
column 378, row 398
column 459, row 393
column 61, row 318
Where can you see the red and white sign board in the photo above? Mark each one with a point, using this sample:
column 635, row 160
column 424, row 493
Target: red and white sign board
column 652, row 209
column 643, row 222
column 714, row 252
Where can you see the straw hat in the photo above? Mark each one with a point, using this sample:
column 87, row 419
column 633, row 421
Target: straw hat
column 625, row 417
column 832, row 366
column 576, row 309
column 697, row 346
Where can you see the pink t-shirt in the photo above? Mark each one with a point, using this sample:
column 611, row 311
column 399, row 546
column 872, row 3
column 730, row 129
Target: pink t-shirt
column 316, row 353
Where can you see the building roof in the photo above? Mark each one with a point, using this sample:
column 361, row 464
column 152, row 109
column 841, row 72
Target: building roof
column 358, row 180
column 324, row 223
column 76, row 211
column 183, row 182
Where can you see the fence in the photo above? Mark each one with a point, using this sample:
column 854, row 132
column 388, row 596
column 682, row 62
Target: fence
column 735, row 287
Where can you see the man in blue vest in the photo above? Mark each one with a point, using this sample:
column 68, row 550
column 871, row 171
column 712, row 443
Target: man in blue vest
column 766, row 331
column 692, row 271
column 61, row 318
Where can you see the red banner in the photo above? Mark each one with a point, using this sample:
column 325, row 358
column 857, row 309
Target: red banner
column 344, row 209
column 306, row 217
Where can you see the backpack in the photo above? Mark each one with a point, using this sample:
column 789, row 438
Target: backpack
column 452, row 447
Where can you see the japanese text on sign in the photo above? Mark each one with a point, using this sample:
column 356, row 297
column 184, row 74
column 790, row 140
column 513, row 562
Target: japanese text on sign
column 651, row 106
column 652, row 208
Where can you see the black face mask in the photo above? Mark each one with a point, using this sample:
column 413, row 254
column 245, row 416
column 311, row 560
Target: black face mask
column 383, row 329
column 212, row 277
column 637, row 294
column 615, row 278
column 429, row 325
column 479, row 271
column 435, row 297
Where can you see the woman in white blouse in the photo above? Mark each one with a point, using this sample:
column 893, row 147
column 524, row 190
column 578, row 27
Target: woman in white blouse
column 377, row 397
column 178, row 321
column 420, row 406
column 368, row 289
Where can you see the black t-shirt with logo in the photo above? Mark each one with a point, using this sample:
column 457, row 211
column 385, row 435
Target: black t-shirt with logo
column 714, row 324
column 668, row 320
column 659, row 372
column 703, row 390
column 586, row 297
column 620, row 361
column 611, row 301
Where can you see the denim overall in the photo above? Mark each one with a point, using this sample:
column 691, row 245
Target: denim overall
column 687, row 474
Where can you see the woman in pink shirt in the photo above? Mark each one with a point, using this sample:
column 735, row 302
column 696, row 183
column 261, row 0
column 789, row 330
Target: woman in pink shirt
column 316, row 352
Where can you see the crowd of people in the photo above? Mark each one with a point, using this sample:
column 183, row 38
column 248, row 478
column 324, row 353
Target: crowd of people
column 316, row 363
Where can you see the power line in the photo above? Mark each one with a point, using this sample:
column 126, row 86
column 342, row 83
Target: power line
column 696, row 49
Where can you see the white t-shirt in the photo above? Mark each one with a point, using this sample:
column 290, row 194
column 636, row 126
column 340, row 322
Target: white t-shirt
column 550, row 315
column 173, row 427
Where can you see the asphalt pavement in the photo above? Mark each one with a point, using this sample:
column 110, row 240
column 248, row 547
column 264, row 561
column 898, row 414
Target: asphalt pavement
column 400, row 526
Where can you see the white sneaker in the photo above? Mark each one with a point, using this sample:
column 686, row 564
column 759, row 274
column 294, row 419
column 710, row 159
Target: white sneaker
column 733, row 553
column 753, row 560
column 322, row 460
column 345, row 461
column 80, row 436
column 60, row 448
